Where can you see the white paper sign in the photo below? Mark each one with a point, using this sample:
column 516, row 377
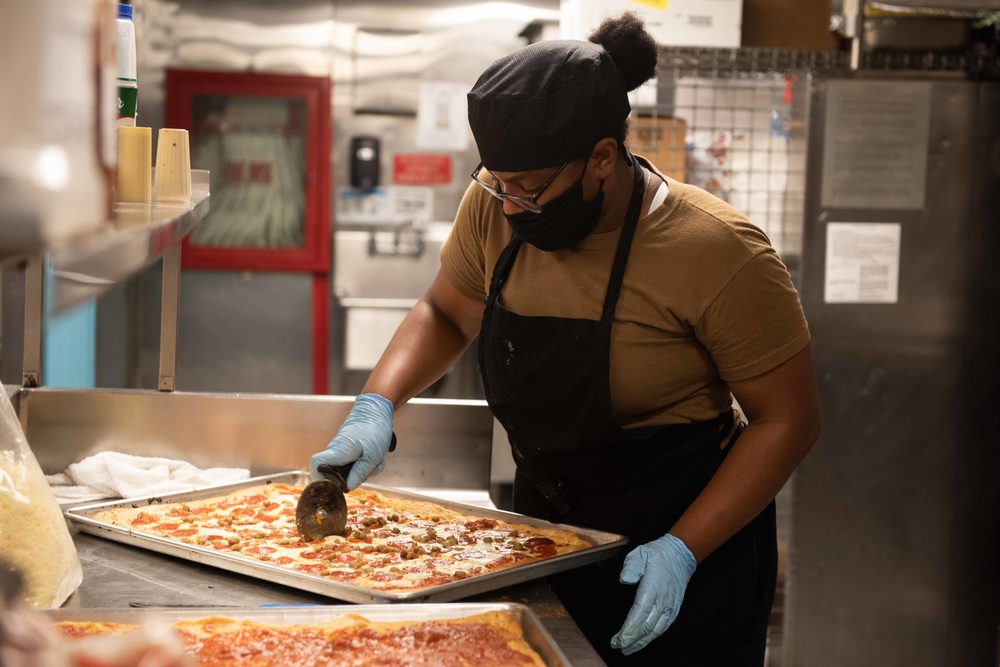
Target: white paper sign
column 875, row 144
column 714, row 23
column 443, row 116
column 385, row 206
column 862, row 262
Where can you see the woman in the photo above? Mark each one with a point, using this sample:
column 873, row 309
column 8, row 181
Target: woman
column 618, row 314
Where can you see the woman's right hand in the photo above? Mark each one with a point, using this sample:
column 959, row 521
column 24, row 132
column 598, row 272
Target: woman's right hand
column 363, row 439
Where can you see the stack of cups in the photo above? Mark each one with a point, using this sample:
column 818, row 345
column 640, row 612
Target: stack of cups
column 173, row 166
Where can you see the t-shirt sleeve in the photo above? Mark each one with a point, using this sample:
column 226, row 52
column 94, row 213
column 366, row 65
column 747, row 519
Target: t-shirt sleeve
column 756, row 322
column 463, row 254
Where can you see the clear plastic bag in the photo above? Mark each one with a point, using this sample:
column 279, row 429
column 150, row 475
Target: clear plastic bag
column 34, row 538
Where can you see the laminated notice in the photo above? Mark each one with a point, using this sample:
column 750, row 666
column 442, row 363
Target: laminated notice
column 862, row 262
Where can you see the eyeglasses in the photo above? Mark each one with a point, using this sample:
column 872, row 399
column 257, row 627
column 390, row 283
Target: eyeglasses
column 527, row 203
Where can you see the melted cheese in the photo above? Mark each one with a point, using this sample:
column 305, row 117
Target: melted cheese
column 390, row 544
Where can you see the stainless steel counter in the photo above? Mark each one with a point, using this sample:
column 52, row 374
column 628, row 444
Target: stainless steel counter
column 117, row 575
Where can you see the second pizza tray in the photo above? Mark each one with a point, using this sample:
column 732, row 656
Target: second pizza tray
column 534, row 632
column 603, row 546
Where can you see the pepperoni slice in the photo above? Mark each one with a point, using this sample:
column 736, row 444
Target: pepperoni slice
column 503, row 561
column 541, row 546
column 311, row 568
column 166, row 527
column 259, row 551
column 185, row 532
column 533, row 542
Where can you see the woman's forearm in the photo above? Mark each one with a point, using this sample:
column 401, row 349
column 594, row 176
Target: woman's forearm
column 761, row 461
column 425, row 347
column 782, row 406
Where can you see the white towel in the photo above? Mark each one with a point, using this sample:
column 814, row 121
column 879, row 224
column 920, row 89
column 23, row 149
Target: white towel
column 118, row 475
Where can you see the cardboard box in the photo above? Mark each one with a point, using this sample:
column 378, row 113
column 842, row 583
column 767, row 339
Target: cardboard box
column 711, row 23
column 790, row 24
column 661, row 141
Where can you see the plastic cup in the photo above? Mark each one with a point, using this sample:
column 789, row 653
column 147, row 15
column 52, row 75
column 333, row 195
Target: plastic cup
column 173, row 167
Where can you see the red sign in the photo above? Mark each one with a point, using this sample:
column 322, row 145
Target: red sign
column 421, row 169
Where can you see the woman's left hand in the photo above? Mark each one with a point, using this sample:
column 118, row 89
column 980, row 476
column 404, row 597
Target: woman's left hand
column 662, row 568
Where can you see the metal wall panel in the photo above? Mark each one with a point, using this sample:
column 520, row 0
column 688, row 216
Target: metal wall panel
column 245, row 330
column 12, row 302
column 895, row 511
column 442, row 444
column 974, row 632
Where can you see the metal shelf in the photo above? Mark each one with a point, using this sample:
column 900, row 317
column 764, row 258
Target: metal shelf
column 85, row 266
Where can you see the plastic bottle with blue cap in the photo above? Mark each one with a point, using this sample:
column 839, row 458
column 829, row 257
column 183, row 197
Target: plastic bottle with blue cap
column 128, row 85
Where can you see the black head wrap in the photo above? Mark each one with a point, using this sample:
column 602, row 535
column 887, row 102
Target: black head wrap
column 546, row 104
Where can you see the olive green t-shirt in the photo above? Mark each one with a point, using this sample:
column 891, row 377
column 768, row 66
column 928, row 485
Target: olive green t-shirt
column 705, row 299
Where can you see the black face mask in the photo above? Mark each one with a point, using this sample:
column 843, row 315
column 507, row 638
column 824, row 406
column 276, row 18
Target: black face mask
column 563, row 221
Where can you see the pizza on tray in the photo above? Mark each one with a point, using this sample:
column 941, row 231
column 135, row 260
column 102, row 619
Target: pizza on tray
column 390, row 543
column 482, row 640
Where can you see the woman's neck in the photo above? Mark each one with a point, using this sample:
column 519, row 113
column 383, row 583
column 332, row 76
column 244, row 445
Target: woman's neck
column 617, row 195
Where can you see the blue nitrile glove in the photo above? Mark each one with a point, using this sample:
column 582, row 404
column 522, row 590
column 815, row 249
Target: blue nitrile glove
column 364, row 438
column 662, row 569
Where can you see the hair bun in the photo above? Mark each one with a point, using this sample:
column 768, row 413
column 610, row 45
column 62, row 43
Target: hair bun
column 630, row 46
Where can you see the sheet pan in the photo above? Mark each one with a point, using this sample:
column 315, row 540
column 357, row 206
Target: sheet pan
column 604, row 545
column 534, row 632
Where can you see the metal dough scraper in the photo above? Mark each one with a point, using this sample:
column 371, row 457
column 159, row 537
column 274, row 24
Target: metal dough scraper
column 322, row 509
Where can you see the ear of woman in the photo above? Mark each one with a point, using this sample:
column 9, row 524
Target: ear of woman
column 603, row 158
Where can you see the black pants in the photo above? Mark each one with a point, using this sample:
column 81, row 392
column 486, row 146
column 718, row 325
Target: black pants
column 723, row 618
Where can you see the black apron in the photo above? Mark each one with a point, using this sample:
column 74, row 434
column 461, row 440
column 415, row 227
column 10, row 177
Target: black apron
column 547, row 380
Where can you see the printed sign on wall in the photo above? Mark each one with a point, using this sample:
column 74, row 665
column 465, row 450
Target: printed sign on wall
column 875, row 144
column 421, row 169
column 862, row 262
column 443, row 116
column 384, row 206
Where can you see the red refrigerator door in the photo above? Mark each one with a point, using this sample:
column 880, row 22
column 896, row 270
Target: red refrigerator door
column 265, row 138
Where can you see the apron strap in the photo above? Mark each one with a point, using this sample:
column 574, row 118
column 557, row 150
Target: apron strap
column 506, row 259
column 622, row 252
column 502, row 269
